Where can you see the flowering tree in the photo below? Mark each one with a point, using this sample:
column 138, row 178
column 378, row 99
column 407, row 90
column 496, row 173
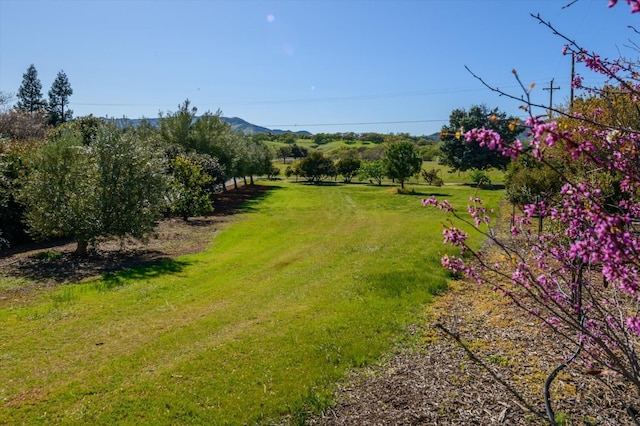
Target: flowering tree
column 581, row 274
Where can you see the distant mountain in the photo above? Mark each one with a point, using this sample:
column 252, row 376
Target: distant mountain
column 237, row 124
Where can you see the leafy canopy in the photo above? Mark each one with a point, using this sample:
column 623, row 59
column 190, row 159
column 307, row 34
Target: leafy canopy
column 461, row 155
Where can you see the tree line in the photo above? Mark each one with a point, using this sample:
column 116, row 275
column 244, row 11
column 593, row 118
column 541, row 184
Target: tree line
column 91, row 179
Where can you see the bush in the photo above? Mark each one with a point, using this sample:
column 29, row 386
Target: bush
column 480, row 178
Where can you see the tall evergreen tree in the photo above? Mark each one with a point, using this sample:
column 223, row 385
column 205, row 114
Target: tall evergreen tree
column 59, row 99
column 30, row 92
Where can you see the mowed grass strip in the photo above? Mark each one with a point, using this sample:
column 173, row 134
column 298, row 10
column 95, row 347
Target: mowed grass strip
column 312, row 281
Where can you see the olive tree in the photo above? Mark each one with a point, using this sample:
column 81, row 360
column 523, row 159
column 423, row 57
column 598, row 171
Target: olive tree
column 113, row 187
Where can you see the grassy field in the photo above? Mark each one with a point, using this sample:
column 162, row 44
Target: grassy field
column 496, row 176
column 311, row 282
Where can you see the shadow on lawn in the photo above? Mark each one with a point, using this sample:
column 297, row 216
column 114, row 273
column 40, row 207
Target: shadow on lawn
column 119, row 278
column 423, row 194
column 240, row 200
column 67, row 267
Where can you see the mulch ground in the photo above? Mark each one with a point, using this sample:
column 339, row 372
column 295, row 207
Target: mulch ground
column 497, row 379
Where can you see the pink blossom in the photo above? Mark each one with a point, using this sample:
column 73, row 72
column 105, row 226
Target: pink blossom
column 634, row 324
column 430, row 201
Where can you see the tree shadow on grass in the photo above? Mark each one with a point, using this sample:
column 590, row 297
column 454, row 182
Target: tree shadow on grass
column 119, row 278
column 423, row 194
column 241, row 200
column 67, row 267
column 492, row 187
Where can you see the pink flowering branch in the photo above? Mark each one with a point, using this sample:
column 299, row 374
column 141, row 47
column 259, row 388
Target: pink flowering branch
column 582, row 277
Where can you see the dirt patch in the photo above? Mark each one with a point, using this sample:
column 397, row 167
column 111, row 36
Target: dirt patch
column 53, row 263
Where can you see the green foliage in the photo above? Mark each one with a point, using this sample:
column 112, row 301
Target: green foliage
column 371, row 170
column 288, row 138
column 284, row 152
column 298, row 151
column 461, row 155
column 480, row 178
column 347, row 167
column 273, row 172
column 131, row 183
column 321, row 138
column 87, row 126
column 12, row 170
column 60, row 194
column 112, row 187
column 527, row 180
column 48, row 255
column 59, row 99
column 375, row 138
column 290, row 171
column 401, row 161
column 238, row 155
column 188, row 196
column 430, row 151
column 316, row 167
column 175, row 128
column 432, row 177
column 30, row 92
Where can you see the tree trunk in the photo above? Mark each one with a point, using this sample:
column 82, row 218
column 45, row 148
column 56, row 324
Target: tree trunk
column 81, row 249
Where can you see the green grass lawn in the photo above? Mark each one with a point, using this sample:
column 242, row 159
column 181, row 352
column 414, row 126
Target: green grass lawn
column 496, row 176
column 311, row 282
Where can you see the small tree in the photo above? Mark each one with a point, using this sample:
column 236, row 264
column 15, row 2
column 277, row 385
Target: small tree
column 30, row 92
column 348, row 168
column 432, row 177
column 316, row 167
column 284, row 152
column 61, row 193
column 59, row 100
column 402, row 161
column 298, row 151
column 18, row 125
column 371, row 170
column 113, row 187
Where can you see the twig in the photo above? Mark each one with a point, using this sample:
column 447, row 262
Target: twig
column 475, row 359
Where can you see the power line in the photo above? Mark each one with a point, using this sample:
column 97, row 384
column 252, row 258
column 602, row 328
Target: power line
column 319, row 99
column 356, row 123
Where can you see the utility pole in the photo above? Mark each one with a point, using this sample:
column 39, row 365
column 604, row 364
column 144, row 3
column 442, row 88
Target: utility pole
column 551, row 88
column 573, row 74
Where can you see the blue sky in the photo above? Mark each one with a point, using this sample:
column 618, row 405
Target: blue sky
column 322, row 66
